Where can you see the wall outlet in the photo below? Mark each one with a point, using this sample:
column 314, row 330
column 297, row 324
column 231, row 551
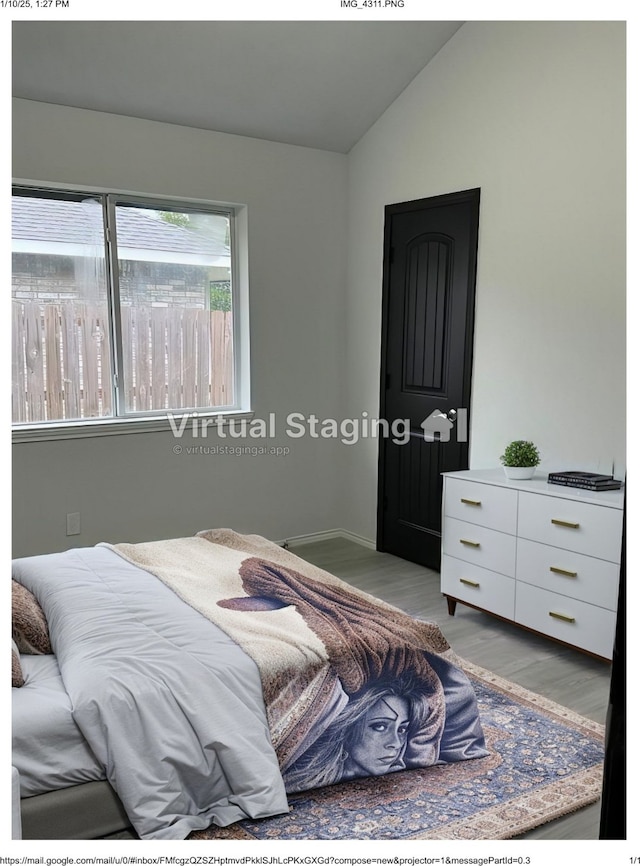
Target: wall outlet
column 73, row 523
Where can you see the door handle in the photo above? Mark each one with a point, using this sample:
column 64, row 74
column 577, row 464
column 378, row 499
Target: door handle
column 469, row 543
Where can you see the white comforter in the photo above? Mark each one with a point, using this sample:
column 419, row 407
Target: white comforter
column 168, row 704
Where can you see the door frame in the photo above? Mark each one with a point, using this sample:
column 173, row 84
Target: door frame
column 473, row 197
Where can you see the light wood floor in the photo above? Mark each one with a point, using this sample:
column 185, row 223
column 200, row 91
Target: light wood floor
column 558, row 673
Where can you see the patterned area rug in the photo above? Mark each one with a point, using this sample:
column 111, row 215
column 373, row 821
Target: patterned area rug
column 545, row 762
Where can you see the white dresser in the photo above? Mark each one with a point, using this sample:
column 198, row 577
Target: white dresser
column 544, row 556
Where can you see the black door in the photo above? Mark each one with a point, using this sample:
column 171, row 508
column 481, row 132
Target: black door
column 428, row 301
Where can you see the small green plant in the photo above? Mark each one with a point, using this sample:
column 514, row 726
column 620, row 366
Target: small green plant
column 520, row 453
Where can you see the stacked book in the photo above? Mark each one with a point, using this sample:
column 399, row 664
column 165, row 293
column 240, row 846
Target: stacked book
column 586, row 480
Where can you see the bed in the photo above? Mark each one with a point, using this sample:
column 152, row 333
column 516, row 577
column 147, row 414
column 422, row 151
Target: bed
column 163, row 687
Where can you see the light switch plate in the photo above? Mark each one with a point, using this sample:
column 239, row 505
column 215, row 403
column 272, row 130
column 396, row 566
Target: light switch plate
column 73, row 523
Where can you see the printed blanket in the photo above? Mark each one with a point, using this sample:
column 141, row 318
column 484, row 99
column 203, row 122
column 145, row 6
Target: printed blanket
column 352, row 686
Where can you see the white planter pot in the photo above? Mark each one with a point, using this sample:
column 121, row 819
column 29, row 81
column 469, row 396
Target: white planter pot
column 521, row 472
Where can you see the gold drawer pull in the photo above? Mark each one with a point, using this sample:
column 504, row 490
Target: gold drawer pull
column 468, row 582
column 471, row 501
column 565, row 523
column 562, row 616
column 469, row 543
column 563, row 571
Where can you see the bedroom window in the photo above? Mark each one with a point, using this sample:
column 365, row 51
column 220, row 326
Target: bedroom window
column 123, row 309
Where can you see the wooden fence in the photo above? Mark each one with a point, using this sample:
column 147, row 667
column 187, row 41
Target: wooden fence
column 173, row 357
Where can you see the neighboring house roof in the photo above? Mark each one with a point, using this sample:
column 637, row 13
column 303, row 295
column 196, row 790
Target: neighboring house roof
column 44, row 225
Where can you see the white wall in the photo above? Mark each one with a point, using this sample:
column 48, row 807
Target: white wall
column 533, row 113
column 133, row 487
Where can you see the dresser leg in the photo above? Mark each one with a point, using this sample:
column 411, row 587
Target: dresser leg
column 451, row 605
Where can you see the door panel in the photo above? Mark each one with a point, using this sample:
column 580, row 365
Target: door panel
column 427, row 317
column 428, row 264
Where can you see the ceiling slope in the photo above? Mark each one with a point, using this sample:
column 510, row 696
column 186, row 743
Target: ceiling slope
column 316, row 84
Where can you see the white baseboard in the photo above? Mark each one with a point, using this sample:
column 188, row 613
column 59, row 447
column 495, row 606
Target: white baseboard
column 327, row 535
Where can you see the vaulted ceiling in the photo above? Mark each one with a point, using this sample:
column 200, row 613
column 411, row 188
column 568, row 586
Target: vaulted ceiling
column 318, row 84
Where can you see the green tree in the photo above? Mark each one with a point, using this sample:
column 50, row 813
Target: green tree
column 220, row 295
column 175, row 218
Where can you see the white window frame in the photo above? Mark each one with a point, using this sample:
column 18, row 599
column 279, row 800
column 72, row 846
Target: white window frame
column 153, row 420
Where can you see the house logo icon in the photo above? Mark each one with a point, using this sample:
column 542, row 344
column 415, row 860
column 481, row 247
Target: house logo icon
column 437, row 426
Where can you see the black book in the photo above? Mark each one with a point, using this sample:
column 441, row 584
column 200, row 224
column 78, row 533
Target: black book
column 584, row 485
column 581, row 476
column 585, row 480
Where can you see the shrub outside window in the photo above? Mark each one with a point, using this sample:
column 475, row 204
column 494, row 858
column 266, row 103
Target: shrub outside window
column 121, row 308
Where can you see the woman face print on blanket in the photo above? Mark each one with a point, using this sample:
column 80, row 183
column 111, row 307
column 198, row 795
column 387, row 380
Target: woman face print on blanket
column 389, row 725
column 395, row 712
column 382, row 736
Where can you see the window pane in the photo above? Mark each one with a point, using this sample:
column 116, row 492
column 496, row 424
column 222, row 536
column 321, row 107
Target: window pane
column 61, row 350
column 175, row 306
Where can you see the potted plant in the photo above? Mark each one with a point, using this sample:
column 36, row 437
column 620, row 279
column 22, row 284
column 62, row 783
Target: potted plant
column 520, row 459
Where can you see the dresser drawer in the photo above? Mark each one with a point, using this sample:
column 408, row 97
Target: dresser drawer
column 572, row 574
column 478, row 586
column 494, row 507
column 582, row 527
column 479, row 545
column 582, row 625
